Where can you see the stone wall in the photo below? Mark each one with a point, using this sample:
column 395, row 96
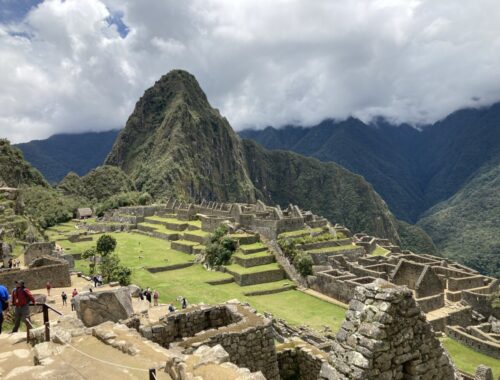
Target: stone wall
column 300, row 361
column 257, row 277
column 36, row 278
column 36, row 250
column 428, row 304
column 485, row 347
column 247, row 337
column 386, row 336
column 462, row 317
column 465, row 283
column 481, row 303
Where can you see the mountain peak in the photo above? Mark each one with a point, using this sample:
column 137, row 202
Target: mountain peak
column 179, row 84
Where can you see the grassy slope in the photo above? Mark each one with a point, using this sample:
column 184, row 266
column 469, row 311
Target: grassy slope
column 467, row 359
column 293, row 306
column 465, row 227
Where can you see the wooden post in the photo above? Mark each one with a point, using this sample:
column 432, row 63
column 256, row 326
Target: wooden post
column 27, row 330
column 152, row 374
column 46, row 322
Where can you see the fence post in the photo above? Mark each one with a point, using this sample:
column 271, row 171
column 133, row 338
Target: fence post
column 45, row 310
column 152, row 374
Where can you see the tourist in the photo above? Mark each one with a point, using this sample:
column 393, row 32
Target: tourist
column 73, row 295
column 141, row 295
column 99, row 280
column 94, row 278
column 184, row 303
column 21, row 296
column 11, row 263
column 147, row 294
column 155, row 297
column 4, row 303
column 64, row 297
column 48, row 286
column 171, row 308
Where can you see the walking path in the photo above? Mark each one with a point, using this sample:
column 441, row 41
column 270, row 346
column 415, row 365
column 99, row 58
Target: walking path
column 323, row 297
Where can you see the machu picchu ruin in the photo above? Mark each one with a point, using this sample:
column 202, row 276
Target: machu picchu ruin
column 352, row 233
column 390, row 297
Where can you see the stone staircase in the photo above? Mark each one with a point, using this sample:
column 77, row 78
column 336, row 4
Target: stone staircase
column 253, row 263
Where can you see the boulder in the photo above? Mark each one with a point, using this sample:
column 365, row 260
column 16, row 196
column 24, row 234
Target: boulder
column 98, row 307
column 134, row 290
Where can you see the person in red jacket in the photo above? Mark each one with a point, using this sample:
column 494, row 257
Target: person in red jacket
column 21, row 297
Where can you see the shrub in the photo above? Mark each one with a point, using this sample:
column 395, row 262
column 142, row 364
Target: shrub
column 145, row 199
column 220, row 249
column 303, row 263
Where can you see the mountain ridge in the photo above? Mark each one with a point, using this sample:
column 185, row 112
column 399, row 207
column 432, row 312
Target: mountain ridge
column 175, row 143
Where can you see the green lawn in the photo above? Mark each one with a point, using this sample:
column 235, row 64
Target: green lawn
column 332, row 249
column 248, row 247
column 467, row 359
column 296, row 233
column 252, row 255
column 379, row 251
column 293, row 306
column 260, row 268
column 159, row 228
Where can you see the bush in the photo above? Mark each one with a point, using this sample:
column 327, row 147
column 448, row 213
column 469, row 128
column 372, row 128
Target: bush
column 145, row 199
column 220, row 249
column 303, row 263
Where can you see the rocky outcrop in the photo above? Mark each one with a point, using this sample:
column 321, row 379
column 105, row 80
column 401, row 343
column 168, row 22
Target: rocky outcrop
column 386, row 336
column 98, row 307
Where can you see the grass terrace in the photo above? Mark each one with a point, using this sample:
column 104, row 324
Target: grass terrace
column 467, row 359
column 298, row 233
column 159, row 228
column 260, row 268
column 379, row 251
column 332, row 249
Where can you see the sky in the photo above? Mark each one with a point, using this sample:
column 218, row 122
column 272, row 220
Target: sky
column 80, row 65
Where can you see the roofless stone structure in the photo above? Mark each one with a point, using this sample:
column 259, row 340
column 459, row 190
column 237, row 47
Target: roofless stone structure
column 386, row 336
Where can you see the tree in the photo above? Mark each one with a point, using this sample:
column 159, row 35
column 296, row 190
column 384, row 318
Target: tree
column 112, row 270
column 105, row 245
column 90, row 253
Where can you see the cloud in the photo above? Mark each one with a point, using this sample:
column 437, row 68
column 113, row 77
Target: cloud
column 70, row 66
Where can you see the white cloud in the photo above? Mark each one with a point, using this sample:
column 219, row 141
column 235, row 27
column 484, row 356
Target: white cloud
column 66, row 68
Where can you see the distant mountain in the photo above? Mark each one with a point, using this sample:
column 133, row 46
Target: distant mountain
column 412, row 170
column 63, row 153
column 176, row 144
column 453, row 161
column 466, row 226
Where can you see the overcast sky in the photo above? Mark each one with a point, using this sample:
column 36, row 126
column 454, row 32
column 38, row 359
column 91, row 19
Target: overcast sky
column 78, row 65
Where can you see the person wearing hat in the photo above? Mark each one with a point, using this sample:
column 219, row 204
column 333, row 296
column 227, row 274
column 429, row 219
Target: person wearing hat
column 21, row 296
column 4, row 303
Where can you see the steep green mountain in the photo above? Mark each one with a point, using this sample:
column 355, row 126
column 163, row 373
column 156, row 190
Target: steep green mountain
column 63, row 153
column 175, row 143
column 14, row 170
column 466, row 226
column 98, row 184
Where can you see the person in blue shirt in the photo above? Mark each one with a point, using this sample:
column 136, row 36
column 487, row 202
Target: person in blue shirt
column 4, row 303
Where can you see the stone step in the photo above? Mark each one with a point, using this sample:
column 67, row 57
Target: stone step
column 253, row 260
column 245, row 238
column 199, row 237
column 255, row 275
column 249, row 249
column 184, row 246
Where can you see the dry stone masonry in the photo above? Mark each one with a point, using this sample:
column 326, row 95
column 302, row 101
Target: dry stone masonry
column 386, row 336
